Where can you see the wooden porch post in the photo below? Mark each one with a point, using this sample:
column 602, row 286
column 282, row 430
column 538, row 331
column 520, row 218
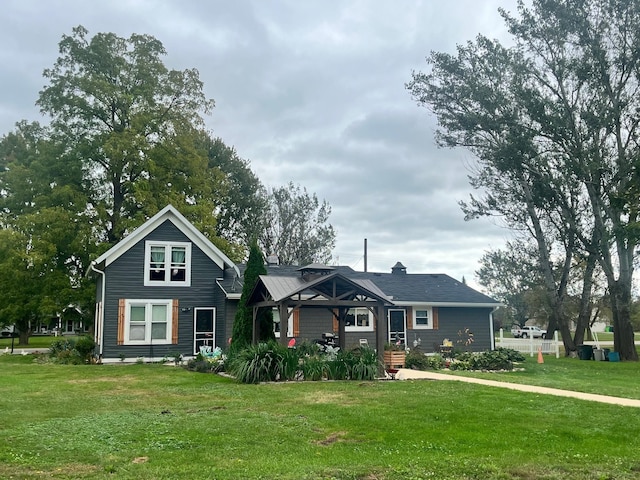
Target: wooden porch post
column 284, row 323
column 381, row 335
column 342, row 331
column 254, row 329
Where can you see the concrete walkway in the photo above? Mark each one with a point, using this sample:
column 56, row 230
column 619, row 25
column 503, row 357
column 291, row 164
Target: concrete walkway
column 409, row 374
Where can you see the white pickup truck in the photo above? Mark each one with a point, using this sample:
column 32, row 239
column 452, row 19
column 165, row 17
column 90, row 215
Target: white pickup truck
column 527, row 331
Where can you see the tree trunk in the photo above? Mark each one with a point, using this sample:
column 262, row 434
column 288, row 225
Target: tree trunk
column 24, row 337
column 584, row 312
column 623, row 337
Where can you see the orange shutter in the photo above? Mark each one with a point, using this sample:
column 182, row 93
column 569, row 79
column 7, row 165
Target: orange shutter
column 296, row 322
column 435, row 317
column 174, row 322
column 409, row 318
column 120, row 337
column 335, row 320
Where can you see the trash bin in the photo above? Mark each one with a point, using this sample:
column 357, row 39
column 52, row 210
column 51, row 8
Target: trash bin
column 585, row 352
column 614, row 357
column 606, row 353
column 598, row 354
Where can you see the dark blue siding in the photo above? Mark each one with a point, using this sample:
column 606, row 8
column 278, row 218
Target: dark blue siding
column 125, row 279
column 452, row 321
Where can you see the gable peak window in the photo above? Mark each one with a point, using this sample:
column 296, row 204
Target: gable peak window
column 167, row 263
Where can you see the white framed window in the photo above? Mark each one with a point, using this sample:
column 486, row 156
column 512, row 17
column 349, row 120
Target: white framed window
column 147, row 322
column 167, row 263
column 359, row 319
column 423, row 318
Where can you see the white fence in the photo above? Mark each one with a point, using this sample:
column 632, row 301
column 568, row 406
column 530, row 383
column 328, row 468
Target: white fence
column 530, row 345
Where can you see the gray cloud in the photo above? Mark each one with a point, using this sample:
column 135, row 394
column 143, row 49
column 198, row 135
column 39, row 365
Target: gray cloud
column 310, row 92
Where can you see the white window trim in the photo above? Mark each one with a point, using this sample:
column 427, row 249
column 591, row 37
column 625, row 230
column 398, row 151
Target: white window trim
column 429, row 311
column 356, row 328
column 167, row 255
column 147, row 313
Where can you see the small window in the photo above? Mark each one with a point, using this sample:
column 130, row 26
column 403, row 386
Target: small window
column 167, row 264
column 147, row 322
column 423, row 318
column 359, row 320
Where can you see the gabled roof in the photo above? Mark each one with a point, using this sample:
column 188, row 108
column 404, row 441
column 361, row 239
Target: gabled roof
column 174, row 216
column 333, row 287
column 437, row 289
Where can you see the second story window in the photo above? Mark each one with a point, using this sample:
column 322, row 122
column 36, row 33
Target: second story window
column 167, row 263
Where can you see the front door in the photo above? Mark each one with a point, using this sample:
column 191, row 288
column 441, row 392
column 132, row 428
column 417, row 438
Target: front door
column 204, row 327
column 397, row 327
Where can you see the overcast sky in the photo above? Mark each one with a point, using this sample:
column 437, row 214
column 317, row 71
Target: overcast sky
column 308, row 91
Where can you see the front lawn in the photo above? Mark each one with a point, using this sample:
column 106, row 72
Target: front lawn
column 36, row 341
column 160, row 422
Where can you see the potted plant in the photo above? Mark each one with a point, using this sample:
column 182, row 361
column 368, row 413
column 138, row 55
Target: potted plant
column 394, row 355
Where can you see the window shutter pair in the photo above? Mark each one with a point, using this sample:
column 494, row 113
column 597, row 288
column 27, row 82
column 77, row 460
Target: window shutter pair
column 121, row 315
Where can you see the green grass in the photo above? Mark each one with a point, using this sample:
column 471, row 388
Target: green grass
column 159, row 422
column 39, row 341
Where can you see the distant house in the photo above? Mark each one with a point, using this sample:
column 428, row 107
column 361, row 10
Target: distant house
column 166, row 290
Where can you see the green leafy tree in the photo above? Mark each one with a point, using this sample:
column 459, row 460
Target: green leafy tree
column 242, row 199
column 242, row 335
column 47, row 238
column 297, row 228
column 127, row 121
column 553, row 120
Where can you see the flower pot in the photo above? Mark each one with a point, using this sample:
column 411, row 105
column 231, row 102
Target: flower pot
column 394, row 359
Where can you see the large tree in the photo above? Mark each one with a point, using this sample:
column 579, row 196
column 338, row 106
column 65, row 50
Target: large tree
column 297, row 228
column 242, row 197
column 47, row 239
column 126, row 120
column 555, row 116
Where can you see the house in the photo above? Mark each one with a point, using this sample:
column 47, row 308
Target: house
column 158, row 293
column 165, row 290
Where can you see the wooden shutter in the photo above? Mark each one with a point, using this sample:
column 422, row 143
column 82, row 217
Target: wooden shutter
column 121, row 307
column 296, row 322
column 335, row 320
column 409, row 314
column 174, row 322
column 434, row 311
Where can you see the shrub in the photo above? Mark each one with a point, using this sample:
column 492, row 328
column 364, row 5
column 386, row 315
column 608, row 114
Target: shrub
column 264, row 362
column 66, row 351
column 491, row 360
column 419, row 361
column 513, row 355
column 416, row 360
column 363, row 364
column 207, row 364
column 314, row 368
column 62, row 345
column 86, row 346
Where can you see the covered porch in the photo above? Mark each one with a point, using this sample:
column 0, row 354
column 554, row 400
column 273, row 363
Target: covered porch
column 319, row 286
